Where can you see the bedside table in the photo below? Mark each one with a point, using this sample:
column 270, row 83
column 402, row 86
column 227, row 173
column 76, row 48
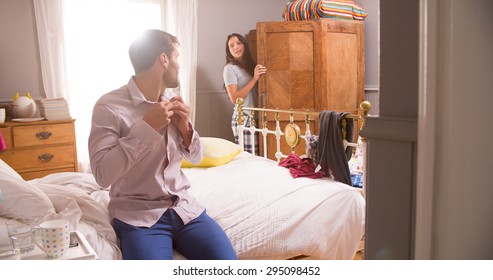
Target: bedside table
column 81, row 251
column 36, row 149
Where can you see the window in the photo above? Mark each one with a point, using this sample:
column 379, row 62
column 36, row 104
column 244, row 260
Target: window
column 98, row 34
column 84, row 50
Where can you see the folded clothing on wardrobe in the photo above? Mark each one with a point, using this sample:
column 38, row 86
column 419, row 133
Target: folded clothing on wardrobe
column 313, row 9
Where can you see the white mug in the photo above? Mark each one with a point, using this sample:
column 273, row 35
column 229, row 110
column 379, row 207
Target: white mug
column 55, row 237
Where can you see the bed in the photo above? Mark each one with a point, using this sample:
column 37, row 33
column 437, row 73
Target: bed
column 266, row 212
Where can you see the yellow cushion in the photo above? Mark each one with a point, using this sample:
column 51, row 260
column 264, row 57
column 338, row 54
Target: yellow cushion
column 217, row 152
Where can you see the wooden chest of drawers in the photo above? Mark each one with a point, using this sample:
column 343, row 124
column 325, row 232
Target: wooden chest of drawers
column 36, row 149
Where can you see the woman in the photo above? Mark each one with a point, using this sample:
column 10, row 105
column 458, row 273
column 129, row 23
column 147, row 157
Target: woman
column 240, row 78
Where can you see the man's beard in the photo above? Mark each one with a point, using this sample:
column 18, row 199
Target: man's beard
column 171, row 82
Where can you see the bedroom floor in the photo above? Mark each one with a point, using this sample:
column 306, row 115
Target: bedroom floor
column 360, row 255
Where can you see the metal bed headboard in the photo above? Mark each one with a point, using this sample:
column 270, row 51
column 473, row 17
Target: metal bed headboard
column 292, row 132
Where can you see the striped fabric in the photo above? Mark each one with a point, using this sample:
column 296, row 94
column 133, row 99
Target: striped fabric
column 343, row 9
column 248, row 146
column 302, row 9
column 313, row 9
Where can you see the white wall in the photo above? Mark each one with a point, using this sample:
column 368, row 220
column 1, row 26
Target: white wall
column 372, row 50
column 20, row 69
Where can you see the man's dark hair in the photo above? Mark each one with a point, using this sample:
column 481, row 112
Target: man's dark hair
column 148, row 46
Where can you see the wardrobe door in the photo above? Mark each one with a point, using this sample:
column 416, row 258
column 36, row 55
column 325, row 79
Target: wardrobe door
column 287, row 50
column 342, row 60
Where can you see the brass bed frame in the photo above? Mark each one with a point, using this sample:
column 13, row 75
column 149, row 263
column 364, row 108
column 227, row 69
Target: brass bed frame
column 292, row 132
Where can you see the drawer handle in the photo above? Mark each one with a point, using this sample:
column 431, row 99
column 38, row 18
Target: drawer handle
column 43, row 135
column 46, row 157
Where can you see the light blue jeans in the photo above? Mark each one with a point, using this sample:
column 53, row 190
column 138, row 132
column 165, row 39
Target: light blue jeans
column 200, row 239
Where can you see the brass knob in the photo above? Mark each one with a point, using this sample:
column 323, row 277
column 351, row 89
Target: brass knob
column 365, row 106
column 46, row 157
column 43, row 135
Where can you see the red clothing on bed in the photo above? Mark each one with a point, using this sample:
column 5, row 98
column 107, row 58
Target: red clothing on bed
column 301, row 167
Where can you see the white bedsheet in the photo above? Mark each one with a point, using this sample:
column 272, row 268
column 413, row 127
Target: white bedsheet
column 269, row 215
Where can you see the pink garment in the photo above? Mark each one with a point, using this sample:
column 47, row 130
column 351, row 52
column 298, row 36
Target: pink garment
column 301, row 167
column 3, row 146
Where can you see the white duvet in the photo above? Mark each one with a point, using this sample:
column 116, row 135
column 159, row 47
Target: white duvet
column 78, row 198
column 265, row 212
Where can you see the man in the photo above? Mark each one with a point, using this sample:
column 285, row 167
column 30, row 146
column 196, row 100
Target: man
column 137, row 142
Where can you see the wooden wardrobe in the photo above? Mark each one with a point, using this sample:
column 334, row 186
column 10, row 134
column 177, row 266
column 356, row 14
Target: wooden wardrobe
column 311, row 65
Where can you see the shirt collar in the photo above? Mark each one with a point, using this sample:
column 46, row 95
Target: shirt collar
column 136, row 95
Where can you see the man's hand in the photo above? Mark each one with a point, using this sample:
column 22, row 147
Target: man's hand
column 160, row 115
column 180, row 119
column 181, row 112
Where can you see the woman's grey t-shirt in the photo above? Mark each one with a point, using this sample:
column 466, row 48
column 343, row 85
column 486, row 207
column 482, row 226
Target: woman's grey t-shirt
column 234, row 75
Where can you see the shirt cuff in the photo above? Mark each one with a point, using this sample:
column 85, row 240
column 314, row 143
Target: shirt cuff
column 194, row 153
column 145, row 133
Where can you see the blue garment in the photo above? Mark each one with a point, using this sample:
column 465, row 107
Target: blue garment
column 200, row 239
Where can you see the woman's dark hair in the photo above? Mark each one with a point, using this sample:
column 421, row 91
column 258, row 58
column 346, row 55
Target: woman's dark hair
column 248, row 63
column 148, row 46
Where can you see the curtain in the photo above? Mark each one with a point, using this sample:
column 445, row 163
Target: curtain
column 49, row 25
column 181, row 20
column 84, row 50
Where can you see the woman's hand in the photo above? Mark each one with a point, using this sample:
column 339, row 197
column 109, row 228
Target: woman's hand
column 259, row 70
column 234, row 92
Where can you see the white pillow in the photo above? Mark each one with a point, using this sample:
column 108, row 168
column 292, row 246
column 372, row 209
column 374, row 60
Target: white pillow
column 20, row 198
